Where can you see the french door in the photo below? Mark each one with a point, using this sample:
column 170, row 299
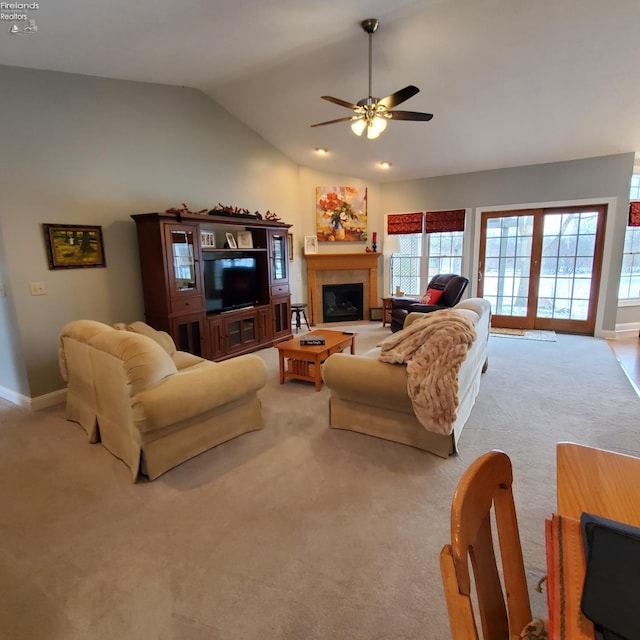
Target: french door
column 540, row 268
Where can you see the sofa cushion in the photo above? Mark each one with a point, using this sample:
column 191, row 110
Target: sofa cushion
column 143, row 360
column 182, row 359
column 161, row 337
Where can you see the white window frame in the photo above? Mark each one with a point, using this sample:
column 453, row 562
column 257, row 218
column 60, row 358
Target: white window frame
column 634, row 194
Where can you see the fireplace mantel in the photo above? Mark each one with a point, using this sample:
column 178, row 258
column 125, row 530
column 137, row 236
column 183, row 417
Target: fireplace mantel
column 339, row 262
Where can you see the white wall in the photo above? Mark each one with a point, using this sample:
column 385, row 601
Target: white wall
column 13, row 376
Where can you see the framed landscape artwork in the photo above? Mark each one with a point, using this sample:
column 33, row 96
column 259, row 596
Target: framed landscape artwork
column 341, row 214
column 72, row 246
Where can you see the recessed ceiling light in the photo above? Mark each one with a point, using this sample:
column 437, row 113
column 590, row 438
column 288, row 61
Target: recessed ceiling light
column 385, row 165
column 321, row 151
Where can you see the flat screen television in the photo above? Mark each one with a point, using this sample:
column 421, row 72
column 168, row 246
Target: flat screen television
column 230, row 281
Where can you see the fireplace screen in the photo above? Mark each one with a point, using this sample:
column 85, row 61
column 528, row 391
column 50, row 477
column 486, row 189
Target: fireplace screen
column 342, row 302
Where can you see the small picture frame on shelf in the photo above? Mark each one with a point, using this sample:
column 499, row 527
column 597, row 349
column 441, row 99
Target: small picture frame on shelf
column 231, row 241
column 207, row 239
column 245, row 240
column 310, row 244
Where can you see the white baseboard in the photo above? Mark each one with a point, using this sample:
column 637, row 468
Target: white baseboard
column 48, row 400
column 628, row 326
column 15, row 398
column 34, row 404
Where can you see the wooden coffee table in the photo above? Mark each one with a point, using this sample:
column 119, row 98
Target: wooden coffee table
column 303, row 361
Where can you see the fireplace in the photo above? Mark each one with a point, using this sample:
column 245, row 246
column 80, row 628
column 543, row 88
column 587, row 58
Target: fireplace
column 341, row 268
column 342, row 302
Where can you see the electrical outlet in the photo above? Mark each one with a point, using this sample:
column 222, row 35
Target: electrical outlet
column 37, row 288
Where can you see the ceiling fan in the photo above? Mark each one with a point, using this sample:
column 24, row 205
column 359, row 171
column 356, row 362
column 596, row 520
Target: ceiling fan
column 371, row 114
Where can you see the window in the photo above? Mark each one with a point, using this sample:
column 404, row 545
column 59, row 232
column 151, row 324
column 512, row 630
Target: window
column 406, row 265
column 436, row 249
column 630, row 275
column 445, row 253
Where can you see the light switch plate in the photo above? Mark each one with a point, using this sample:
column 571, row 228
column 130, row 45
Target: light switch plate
column 37, row 288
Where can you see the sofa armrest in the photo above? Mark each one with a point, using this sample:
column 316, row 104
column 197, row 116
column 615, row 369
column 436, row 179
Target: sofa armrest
column 195, row 391
column 184, row 360
column 367, row 380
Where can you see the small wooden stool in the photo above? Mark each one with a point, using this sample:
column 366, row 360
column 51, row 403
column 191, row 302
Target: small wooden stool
column 298, row 308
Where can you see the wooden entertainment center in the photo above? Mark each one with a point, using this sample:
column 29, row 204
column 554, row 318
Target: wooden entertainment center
column 183, row 259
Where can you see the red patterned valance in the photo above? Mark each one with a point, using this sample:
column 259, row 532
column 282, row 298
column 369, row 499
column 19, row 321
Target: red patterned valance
column 441, row 221
column 398, row 223
column 634, row 214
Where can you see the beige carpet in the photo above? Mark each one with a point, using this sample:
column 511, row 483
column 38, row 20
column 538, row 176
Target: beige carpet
column 294, row 532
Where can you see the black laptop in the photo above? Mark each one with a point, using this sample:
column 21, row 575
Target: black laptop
column 611, row 591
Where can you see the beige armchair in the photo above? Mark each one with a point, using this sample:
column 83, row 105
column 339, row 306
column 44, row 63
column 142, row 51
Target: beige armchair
column 147, row 403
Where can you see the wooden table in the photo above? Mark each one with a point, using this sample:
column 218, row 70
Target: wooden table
column 596, row 481
column 302, row 362
column 386, row 311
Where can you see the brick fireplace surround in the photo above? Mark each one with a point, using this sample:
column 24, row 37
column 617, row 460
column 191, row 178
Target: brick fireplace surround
column 341, row 268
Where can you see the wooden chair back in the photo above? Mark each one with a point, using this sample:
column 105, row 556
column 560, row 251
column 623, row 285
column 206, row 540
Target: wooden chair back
column 485, row 487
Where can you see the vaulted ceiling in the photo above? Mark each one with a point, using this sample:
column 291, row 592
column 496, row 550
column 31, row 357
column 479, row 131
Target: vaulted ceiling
column 510, row 82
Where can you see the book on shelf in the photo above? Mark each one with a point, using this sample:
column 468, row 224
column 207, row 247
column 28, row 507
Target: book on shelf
column 312, row 340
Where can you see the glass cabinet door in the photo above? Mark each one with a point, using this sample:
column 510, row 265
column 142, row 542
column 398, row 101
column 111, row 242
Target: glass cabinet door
column 183, row 259
column 278, row 256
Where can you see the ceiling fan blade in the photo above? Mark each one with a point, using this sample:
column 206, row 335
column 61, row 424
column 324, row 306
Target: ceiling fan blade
column 321, row 124
column 410, row 115
column 342, row 103
column 399, row 96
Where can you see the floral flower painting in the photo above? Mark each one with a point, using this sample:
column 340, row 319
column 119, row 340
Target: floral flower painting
column 341, row 214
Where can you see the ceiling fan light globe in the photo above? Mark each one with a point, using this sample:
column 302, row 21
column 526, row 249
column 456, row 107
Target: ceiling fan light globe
column 379, row 124
column 372, row 133
column 358, row 126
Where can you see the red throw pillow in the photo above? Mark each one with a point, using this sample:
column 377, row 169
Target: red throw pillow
column 431, row 297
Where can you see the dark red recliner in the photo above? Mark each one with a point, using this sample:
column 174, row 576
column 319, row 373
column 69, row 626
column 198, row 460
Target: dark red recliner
column 452, row 287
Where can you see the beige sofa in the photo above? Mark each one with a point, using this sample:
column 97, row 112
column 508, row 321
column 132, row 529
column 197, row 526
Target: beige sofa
column 371, row 397
column 149, row 404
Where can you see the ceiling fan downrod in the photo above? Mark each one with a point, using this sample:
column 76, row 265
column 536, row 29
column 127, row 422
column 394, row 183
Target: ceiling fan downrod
column 370, row 26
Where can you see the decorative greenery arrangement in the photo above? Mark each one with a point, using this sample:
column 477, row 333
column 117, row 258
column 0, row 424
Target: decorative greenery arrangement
column 183, row 209
column 225, row 210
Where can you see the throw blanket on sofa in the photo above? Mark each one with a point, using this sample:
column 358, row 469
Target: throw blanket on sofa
column 433, row 348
